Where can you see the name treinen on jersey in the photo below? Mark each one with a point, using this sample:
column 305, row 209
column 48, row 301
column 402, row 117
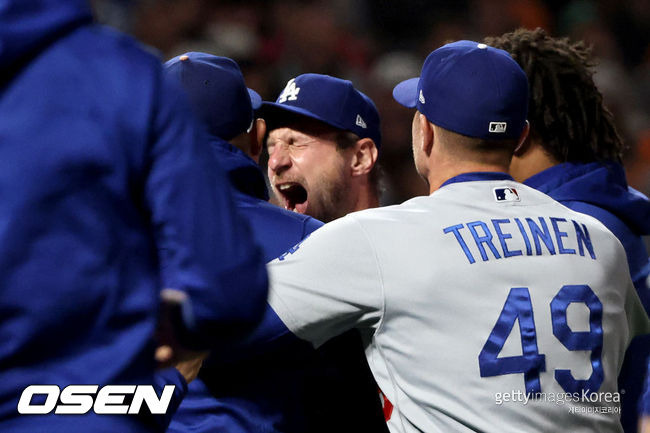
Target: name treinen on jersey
column 503, row 238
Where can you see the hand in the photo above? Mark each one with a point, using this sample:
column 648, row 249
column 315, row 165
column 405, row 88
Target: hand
column 170, row 352
column 188, row 363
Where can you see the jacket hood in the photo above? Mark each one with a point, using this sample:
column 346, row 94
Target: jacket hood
column 244, row 174
column 600, row 184
column 27, row 26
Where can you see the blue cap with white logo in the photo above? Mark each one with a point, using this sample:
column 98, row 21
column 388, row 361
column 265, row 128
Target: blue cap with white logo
column 470, row 88
column 330, row 100
column 216, row 88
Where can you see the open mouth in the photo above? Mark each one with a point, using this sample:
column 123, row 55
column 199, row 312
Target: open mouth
column 294, row 196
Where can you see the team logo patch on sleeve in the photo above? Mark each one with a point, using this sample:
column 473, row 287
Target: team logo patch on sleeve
column 506, row 194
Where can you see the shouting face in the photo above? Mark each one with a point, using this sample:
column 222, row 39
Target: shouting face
column 308, row 173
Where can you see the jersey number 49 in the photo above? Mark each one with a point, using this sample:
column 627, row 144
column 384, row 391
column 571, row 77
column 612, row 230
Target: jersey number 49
column 531, row 362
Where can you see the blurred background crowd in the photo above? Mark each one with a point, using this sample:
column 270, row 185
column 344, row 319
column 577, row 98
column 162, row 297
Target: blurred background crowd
column 377, row 43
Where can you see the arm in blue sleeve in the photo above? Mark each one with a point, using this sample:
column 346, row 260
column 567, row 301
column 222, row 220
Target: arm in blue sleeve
column 169, row 376
column 205, row 251
column 271, row 334
column 642, row 283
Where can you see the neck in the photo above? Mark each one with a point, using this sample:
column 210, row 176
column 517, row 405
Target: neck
column 534, row 160
column 366, row 197
column 366, row 200
column 441, row 173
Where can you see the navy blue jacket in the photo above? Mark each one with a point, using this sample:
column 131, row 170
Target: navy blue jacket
column 644, row 404
column 262, row 393
column 274, row 229
column 601, row 190
column 104, row 181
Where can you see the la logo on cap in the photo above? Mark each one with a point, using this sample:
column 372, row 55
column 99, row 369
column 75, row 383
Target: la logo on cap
column 290, row 92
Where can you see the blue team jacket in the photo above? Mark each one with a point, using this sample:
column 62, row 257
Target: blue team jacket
column 262, row 393
column 104, row 181
column 644, row 406
column 274, row 229
column 601, row 190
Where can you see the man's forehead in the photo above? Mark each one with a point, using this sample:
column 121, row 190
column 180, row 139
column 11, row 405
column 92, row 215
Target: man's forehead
column 309, row 127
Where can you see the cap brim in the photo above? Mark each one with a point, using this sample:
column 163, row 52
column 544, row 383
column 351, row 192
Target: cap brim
column 275, row 110
column 256, row 99
column 406, row 92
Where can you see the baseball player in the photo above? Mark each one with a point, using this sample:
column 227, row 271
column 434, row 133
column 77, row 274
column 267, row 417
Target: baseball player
column 264, row 392
column 323, row 144
column 575, row 157
column 108, row 196
column 324, row 140
column 437, row 284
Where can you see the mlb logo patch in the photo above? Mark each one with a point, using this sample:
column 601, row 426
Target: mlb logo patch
column 498, row 127
column 506, row 194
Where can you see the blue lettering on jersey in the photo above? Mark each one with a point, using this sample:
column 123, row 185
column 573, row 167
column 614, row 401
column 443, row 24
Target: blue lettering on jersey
column 542, row 234
column 559, row 235
column 485, row 239
column 583, row 239
column 556, row 242
column 293, row 249
column 502, row 238
column 529, row 250
column 456, row 231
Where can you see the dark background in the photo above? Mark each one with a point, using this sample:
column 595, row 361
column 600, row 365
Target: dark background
column 377, row 43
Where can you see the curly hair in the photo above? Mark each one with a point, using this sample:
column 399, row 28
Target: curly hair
column 566, row 110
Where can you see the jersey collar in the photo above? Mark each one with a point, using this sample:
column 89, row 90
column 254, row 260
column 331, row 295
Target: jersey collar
column 478, row 175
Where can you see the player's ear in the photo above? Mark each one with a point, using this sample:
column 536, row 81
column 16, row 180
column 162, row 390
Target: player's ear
column 364, row 157
column 524, row 141
column 256, row 138
column 426, row 134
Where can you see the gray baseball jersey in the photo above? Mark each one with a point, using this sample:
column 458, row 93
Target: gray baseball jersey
column 486, row 306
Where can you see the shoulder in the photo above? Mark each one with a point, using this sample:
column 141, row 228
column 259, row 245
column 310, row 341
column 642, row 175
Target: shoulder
column 611, row 221
column 110, row 64
column 105, row 41
column 278, row 215
column 275, row 229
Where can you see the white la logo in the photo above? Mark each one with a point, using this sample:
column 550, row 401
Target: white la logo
column 290, row 92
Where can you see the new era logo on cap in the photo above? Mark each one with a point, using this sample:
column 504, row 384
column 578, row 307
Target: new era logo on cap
column 360, row 122
column 506, row 194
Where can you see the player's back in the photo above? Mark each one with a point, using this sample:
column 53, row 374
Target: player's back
column 493, row 291
column 80, row 282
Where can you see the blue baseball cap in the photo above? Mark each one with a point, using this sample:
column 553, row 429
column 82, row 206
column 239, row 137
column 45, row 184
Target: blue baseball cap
column 216, row 88
column 470, row 88
column 330, row 100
